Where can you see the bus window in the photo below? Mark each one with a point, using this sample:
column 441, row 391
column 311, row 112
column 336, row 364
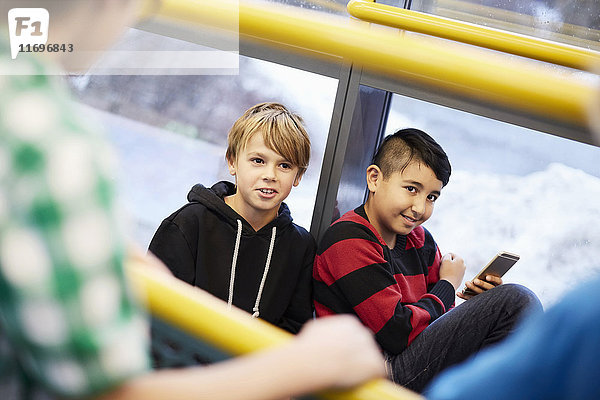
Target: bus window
column 512, row 189
column 170, row 131
column 326, row 6
column 572, row 22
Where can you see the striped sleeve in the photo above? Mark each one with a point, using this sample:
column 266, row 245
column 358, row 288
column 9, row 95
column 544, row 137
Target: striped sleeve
column 352, row 275
column 441, row 289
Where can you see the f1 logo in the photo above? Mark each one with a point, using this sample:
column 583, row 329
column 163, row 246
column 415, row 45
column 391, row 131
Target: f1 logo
column 27, row 26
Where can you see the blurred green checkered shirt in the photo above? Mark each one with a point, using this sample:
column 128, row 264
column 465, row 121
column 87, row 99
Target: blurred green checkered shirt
column 68, row 324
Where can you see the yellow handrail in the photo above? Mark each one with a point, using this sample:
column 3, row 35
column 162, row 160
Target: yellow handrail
column 495, row 39
column 233, row 331
column 470, row 72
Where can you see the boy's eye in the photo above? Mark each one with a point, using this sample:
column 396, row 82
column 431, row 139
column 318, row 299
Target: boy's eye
column 257, row 160
column 411, row 189
column 432, row 198
column 286, row 165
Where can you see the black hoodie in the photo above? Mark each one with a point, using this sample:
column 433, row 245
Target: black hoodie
column 198, row 242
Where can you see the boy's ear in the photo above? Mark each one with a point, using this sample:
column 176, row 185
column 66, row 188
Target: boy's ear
column 231, row 166
column 374, row 176
column 298, row 179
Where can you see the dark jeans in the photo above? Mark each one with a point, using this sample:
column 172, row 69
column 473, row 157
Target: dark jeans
column 478, row 322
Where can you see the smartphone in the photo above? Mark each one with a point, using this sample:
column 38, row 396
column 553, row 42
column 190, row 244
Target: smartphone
column 497, row 266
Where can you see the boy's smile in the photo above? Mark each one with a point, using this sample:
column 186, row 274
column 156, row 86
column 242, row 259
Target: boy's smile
column 401, row 202
column 263, row 178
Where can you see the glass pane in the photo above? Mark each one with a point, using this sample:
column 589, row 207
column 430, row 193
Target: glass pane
column 327, row 6
column 365, row 131
column 516, row 190
column 170, row 132
column 571, row 22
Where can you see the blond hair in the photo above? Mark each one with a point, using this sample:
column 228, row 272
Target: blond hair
column 282, row 130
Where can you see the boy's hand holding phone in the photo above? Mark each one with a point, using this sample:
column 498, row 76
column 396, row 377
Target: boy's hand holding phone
column 477, row 286
column 490, row 276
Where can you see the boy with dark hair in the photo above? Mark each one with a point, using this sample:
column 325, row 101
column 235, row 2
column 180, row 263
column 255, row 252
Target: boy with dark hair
column 379, row 263
column 238, row 242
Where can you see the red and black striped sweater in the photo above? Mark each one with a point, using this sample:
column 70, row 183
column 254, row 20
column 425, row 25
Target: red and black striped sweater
column 395, row 292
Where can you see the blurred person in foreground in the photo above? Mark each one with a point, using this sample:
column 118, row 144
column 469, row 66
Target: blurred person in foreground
column 552, row 355
column 69, row 326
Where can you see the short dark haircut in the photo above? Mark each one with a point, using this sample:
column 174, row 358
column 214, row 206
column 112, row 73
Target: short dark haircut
column 397, row 151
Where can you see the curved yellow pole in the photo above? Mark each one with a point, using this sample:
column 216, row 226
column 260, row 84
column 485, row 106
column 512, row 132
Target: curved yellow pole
column 526, row 46
column 233, row 331
column 496, row 78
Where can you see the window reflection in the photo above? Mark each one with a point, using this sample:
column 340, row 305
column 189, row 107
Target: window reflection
column 512, row 189
column 571, row 22
column 327, row 6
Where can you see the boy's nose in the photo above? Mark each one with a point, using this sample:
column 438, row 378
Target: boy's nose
column 269, row 173
column 418, row 207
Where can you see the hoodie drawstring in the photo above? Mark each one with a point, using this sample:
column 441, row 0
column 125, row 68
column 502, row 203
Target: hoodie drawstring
column 265, row 272
column 234, row 262
column 264, row 277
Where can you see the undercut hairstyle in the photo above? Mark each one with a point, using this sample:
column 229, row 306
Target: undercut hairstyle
column 397, row 151
column 282, row 131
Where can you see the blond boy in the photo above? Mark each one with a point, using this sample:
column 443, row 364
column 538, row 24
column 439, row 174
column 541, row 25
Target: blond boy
column 238, row 241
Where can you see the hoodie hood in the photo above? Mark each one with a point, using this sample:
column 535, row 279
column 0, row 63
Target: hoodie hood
column 213, row 198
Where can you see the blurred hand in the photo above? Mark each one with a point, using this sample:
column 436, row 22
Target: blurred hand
column 452, row 269
column 478, row 286
column 341, row 351
column 147, row 260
